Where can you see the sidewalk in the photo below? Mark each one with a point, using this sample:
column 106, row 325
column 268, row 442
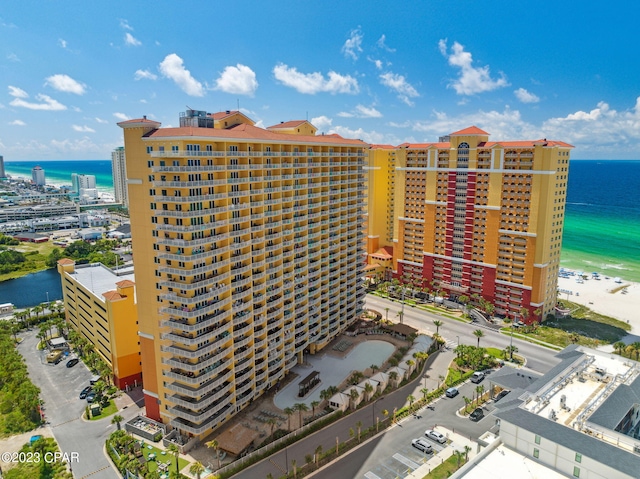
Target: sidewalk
column 439, row 367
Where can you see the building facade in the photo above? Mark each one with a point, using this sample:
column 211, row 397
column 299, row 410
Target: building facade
column 249, row 254
column 37, row 176
column 3, row 174
column 482, row 219
column 101, row 306
column 119, row 173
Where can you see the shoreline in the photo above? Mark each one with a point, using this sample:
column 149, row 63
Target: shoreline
column 611, row 296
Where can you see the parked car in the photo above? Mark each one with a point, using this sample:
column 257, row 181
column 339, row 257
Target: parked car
column 501, row 394
column 91, row 396
column 435, row 436
column 58, row 360
column 477, row 414
column 85, row 392
column 72, row 362
column 477, row 377
column 451, row 392
column 422, row 445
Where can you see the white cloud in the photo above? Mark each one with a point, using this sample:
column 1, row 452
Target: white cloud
column 377, row 63
column 400, row 85
column 321, row 122
column 173, row 68
column 505, row 125
column 46, row 103
column 361, row 134
column 240, row 80
column 471, row 80
column 82, row 145
column 144, row 74
column 353, row 46
column 17, row 92
column 100, row 120
column 312, row 83
column 121, row 116
column 66, row 84
column 368, row 112
column 345, row 114
column 17, row 123
column 125, row 25
column 62, row 42
column 525, row 96
column 83, row 129
column 381, row 44
column 131, row 41
column 12, row 57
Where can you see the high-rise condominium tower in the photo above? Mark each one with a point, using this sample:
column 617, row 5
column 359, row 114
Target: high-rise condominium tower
column 119, row 173
column 249, row 248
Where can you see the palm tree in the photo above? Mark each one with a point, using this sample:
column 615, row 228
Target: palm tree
column 288, row 411
column 354, row 395
column 368, row 389
column 294, row 466
column 300, row 407
column 374, row 368
column 459, row 455
column 467, row 450
column 479, row 391
column 440, row 379
column 424, row 392
column 386, row 310
column 117, row 419
column 314, row 405
column 196, row 469
column 318, row 453
column 175, row 450
column 213, row 444
column 359, row 426
column 511, row 350
column 437, row 324
column 272, row 423
column 619, row 346
column 393, row 376
column 478, row 333
column 400, row 315
column 410, row 399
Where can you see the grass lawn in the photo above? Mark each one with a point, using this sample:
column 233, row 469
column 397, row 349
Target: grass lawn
column 153, row 465
column 453, row 375
column 584, row 326
column 107, row 411
column 36, row 255
column 446, row 469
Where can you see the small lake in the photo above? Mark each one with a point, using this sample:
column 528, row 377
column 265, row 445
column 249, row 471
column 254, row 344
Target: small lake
column 32, row 289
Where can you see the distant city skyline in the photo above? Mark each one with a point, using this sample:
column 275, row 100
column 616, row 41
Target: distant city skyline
column 364, row 70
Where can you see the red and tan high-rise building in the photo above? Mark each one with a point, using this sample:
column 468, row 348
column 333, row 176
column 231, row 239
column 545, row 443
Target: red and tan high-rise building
column 248, row 247
column 479, row 217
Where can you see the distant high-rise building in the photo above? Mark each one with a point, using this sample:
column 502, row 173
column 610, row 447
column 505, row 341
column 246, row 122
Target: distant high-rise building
column 37, row 176
column 80, row 182
column 3, row 174
column 119, row 173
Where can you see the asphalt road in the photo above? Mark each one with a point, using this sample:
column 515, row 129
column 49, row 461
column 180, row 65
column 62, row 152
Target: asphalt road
column 60, row 387
column 538, row 358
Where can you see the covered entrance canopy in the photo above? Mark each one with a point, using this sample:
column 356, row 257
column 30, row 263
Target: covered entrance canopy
column 308, row 383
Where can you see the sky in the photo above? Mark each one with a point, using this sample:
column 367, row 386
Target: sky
column 381, row 71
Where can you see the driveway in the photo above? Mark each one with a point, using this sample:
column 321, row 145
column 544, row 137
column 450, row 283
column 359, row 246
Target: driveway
column 60, row 387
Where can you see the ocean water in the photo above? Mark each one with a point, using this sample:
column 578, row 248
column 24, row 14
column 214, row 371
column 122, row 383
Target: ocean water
column 58, row 172
column 602, row 220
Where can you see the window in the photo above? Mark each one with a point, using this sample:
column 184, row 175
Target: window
column 536, row 453
column 578, row 457
column 537, row 439
column 149, row 149
column 174, row 147
column 576, row 471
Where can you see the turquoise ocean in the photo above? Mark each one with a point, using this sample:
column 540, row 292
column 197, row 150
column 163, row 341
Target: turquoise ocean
column 602, row 221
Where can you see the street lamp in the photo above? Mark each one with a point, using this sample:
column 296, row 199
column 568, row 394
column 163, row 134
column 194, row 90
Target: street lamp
column 402, row 311
column 511, row 344
column 458, row 337
column 373, row 410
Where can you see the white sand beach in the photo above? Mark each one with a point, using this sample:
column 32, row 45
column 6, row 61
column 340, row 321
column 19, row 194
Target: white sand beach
column 605, row 296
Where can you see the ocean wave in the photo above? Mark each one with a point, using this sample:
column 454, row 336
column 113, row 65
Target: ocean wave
column 620, row 267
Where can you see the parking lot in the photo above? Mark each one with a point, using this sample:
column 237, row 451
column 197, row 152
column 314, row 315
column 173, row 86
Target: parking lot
column 60, row 389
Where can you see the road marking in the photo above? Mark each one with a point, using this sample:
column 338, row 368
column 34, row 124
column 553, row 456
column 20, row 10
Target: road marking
column 407, row 462
column 279, row 468
column 70, row 420
column 95, row 472
column 371, row 475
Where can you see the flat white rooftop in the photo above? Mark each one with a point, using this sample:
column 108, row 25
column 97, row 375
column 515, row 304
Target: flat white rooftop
column 503, row 463
column 98, row 279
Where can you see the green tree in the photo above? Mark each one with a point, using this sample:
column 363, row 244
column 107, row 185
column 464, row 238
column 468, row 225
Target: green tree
column 196, row 469
column 437, row 323
column 478, row 333
column 213, row 444
column 288, row 411
column 619, row 347
column 359, row 427
column 117, row 419
column 300, row 407
column 175, row 450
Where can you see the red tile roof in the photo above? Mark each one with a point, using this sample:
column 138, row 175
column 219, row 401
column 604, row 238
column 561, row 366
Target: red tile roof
column 472, row 130
column 287, row 124
column 64, row 261
column 382, row 147
column 127, row 283
column 112, row 295
column 386, row 252
column 249, row 132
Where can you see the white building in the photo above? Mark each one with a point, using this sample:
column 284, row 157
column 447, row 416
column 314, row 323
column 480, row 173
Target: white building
column 37, row 176
column 581, row 419
column 119, row 172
